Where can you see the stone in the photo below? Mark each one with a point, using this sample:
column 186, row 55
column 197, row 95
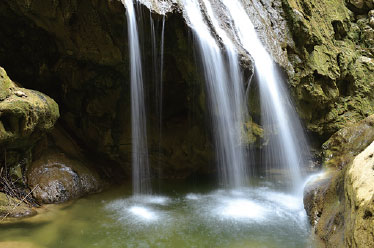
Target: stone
column 371, row 13
column 371, row 22
column 315, row 193
column 14, row 208
column 357, row 3
column 58, row 178
column 359, row 190
column 345, row 144
column 24, row 114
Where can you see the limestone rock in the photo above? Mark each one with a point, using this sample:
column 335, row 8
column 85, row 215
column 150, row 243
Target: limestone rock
column 359, row 190
column 58, row 178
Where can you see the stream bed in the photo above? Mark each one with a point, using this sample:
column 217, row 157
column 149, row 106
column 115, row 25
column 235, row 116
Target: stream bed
column 262, row 215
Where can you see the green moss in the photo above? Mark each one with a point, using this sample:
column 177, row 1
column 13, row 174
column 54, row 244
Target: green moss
column 334, row 80
column 23, row 113
column 5, row 85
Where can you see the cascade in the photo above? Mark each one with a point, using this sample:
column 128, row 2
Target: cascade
column 288, row 146
column 140, row 164
column 224, row 97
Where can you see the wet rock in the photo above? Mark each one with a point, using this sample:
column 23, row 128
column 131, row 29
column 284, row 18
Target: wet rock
column 58, row 178
column 345, row 144
column 24, row 114
column 315, row 193
column 360, row 200
column 333, row 205
column 14, row 208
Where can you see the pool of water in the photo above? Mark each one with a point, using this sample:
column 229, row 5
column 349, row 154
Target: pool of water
column 262, row 215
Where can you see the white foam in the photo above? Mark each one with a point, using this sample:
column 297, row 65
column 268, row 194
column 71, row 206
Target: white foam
column 243, row 209
column 143, row 213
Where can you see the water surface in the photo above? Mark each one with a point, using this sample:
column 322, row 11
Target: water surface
column 258, row 216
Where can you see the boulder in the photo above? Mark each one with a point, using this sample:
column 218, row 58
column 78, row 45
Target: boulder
column 58, row 178
column 359, row 191
column 24, row 114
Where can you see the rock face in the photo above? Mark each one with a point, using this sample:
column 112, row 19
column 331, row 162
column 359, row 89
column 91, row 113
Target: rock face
column 333, row 63
column 333, row 204
column 57, row 178
column 359, row 190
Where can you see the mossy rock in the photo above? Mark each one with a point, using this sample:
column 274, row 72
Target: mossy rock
column 24, row 114
column 58, row 178
column 14, row 208
column 341, row 148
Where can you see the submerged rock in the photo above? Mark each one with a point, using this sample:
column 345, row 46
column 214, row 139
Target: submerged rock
column 13, row 208
column 58, row 178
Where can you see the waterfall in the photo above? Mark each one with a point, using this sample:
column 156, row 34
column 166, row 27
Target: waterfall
column 289, row 144
column 287, row 140
column 232, row 31
column 224, row 94
column 140, row 165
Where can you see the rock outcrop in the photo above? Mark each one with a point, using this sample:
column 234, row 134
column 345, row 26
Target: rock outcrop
column 359, row 193
column 333, row 61
column 335, row 204
column 24, row 114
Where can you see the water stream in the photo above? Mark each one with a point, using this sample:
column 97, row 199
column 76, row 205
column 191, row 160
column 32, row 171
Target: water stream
column 224, row 97
column 140, row 164
column 288, row 147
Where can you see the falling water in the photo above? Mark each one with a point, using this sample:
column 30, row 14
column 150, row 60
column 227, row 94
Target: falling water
column 157, row 78
column 222, row 96
column 277, row 110
column 140, row 166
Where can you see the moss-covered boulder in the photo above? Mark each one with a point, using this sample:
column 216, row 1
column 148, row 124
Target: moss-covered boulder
column 13, row 208
column 24, row 114
column 58, row 178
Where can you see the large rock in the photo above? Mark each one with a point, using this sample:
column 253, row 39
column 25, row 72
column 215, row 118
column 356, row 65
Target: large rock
column 57, row 178
column 359, row 190
column 336, row 205
column 24, row 114
column 341, row 148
